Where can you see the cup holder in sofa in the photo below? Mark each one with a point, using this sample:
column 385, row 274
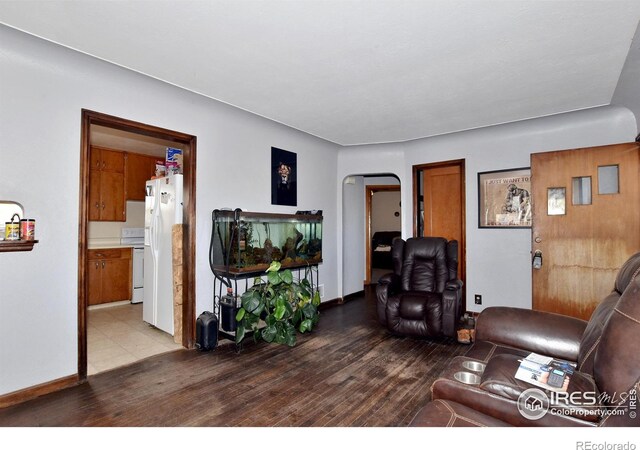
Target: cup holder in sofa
column 474, row 366
column 467, row 377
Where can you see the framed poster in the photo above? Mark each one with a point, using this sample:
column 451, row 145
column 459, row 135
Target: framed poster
column 504, row 199
column 283, row 177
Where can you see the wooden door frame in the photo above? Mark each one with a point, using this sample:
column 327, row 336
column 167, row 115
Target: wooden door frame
column 189, row 236
column 369, row 191
column 462, row 269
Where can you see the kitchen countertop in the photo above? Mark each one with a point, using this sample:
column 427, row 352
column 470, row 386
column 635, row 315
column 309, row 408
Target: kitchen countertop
column 102, row 246
column 95, row 244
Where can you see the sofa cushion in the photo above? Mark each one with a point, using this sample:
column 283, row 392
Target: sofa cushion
column 442, row 413
column 499, row 378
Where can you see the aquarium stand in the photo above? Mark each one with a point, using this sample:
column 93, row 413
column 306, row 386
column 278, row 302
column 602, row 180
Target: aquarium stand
column 233, row 279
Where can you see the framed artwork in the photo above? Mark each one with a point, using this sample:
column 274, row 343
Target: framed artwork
column 504, row 198
column 283, row 177
column 556, row 201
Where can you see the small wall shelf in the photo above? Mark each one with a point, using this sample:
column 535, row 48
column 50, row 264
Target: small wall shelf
column 17, row 246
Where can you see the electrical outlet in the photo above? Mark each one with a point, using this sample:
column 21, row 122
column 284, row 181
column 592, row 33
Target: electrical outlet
column 478, row 298
column 321, row 290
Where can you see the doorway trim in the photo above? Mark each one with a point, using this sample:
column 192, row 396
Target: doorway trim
column 417, row 169
column 188, row 244
column 368, row 195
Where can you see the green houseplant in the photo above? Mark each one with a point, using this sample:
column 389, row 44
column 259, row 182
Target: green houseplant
column 285, row 306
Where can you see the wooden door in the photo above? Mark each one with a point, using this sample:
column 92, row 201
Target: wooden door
column 112, row 160
column 583, row 239
column 112, row 207
column 94, row 271
column 95, row 200
column 444, row 204
column 116, row 280
column 139, row 169
column 442, row 216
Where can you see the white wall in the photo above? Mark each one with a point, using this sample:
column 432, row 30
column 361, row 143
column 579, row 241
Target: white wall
column 353, row 230
column 498, row 260
column 42, row 90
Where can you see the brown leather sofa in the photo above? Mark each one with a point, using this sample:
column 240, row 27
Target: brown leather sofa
column 604, row 351
column 422, row 297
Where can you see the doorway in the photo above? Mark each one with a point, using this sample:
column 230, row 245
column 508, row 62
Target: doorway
column 92, row 121
column 356, row 228
column 439, row 205
column 383, row 224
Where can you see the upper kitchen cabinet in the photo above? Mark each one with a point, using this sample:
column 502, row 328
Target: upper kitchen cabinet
column 139, row 169
column 107, row 185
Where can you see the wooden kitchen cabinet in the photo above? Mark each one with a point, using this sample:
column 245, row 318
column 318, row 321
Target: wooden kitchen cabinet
column 138, row 169
column 106, row 185
column 109, row 271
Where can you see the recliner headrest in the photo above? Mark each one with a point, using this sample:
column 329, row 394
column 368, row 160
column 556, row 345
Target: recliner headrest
column 628, row 272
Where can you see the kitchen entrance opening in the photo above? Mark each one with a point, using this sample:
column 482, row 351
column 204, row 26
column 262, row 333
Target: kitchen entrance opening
column 136, row 242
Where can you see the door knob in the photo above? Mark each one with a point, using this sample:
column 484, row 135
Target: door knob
column 537, row 260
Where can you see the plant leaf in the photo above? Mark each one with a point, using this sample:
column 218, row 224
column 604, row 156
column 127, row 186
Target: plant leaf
column 240, row 332
column 251, row 302
column 287, row 277
column 305, row 325
column 240, row 314
column 269, row 333
column 270, row 320
column 297, row 316
column 274, row 266
column 309, row 310
column 279, row 312
column 274, row 278
column 290, row 338
column 316, row 299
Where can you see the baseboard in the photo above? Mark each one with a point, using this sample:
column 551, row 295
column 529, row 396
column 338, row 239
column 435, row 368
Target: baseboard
column 32, row 392
column 353, row 295
column 330, row 303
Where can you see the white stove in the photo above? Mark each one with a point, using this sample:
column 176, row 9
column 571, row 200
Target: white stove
column 135, row 238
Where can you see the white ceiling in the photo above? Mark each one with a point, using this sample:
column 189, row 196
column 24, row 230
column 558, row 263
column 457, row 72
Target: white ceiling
column 354, row 71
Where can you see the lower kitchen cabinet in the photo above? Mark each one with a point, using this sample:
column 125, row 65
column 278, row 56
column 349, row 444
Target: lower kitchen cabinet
column 109, row 273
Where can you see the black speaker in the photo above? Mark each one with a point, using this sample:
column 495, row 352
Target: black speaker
column 206, row 331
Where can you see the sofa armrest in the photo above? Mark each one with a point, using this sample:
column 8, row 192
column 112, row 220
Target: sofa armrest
column 534, row 331
column 451, row 307
column 387, row 285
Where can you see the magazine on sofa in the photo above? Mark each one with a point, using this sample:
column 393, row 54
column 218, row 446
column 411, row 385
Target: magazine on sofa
column 545, row 372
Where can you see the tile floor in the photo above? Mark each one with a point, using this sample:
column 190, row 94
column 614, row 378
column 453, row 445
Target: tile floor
column 117, row 336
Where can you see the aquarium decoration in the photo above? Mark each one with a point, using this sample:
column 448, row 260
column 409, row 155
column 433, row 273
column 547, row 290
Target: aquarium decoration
column 245, row 242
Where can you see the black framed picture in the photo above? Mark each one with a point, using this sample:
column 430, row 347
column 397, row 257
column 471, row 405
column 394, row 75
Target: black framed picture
column 284, row 189
column 504, row 198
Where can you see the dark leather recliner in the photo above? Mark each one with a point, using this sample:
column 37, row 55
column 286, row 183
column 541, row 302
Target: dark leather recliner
column 422, row 297
column 603, row 350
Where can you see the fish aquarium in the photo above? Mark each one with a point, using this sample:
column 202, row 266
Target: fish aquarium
column 247, row 242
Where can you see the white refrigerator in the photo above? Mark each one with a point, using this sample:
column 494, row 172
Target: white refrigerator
column 163, row 209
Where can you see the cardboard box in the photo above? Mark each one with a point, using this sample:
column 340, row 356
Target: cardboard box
column 173, row 160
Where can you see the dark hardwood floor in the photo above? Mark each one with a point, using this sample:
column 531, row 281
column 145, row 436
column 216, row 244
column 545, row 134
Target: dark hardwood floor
column 349, row 372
